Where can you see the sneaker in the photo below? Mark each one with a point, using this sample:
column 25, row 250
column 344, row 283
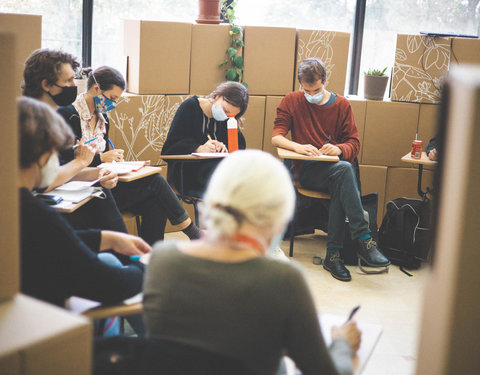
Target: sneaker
column 369, row 253
column 334, row 265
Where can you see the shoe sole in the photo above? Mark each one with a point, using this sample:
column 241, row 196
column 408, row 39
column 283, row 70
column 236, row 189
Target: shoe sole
column 337, row 277
column 373, row 265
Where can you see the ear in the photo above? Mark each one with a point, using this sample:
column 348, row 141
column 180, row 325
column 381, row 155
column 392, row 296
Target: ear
column 45, row 85
column 96, row 89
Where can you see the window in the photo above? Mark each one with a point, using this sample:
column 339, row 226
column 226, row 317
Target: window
column 61, row 21
column 384, row 19
column 107, row 41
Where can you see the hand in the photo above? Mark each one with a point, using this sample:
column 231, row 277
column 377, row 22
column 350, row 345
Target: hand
column 123, row 243
column 219, row 146
column 350, row 332
column 209, row 146
column 329, row 149
column 112, row 155
column 433, row 155
column 84, row 154
column 307, row 150
column 108, row 179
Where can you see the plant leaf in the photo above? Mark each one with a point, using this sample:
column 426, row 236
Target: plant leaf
column 231, row 74
column 238, row 62
column 224, row 62
column 232, row 51
column 239, row 43
column 245, row 84
column 236, row 30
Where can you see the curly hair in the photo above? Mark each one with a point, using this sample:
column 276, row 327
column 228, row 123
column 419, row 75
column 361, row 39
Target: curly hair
column 311, row 70
column 44, row 64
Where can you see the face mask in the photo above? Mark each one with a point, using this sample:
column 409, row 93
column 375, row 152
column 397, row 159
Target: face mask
column 49, row 171
column 66, row 97
column 104, row 104
column 276, row 240
column 218, row 113
column 317, row 98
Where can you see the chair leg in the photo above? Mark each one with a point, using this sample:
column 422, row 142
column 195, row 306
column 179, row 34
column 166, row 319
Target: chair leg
column 139, row 224
column 195, row 209
column 292, row 235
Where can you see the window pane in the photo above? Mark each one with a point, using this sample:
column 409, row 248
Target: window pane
column 61, row 21
column 108, row 25
column 384, row 19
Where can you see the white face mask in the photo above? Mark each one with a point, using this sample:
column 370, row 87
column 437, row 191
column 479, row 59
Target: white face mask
column 49, row 171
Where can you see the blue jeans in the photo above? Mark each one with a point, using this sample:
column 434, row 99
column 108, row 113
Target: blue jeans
column 339, row 180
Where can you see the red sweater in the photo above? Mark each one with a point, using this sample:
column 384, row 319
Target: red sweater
column 313, row 123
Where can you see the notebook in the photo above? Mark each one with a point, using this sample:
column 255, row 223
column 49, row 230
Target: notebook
column 124, row 167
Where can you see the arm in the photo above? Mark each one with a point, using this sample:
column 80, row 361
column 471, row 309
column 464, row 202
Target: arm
column 348, row 141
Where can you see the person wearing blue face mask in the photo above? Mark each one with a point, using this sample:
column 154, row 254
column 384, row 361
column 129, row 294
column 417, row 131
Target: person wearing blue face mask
column 322, row 123
column 200, row 125
column 231, row 299
column 151, row 197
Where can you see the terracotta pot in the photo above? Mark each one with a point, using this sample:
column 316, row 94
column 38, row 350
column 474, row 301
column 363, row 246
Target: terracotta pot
column 375, row 86
column 209, row 11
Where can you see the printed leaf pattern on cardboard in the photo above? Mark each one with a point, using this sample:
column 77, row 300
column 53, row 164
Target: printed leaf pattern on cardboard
column 140, row 124
column 421, row 63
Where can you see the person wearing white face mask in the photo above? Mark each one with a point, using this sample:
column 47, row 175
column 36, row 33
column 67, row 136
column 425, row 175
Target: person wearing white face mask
column 322, row 123
column 200, row 125
column 56, row 260
column 222, row 294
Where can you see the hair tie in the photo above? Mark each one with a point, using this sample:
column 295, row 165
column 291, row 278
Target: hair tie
column 237, row 215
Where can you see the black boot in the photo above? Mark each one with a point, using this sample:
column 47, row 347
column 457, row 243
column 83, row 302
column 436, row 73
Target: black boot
column 334, row 265
column 369, row 253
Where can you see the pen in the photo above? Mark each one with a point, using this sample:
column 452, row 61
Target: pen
column 135, row 257
column 209, row 138
column 90, row 140
column 352, row 313
column 328, row 139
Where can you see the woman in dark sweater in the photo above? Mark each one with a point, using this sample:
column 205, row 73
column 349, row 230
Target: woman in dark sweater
column 200, row 125
column 151, row 197
column 57, row 261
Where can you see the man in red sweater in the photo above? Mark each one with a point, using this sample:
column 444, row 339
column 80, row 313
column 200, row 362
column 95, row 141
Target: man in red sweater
column 322, row 123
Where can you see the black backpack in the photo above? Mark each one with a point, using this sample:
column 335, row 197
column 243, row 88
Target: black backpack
column 404, row 236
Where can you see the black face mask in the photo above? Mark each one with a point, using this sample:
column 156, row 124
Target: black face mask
column 66, row 97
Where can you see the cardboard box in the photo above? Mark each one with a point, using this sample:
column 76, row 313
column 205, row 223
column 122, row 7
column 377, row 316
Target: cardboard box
column 269, row 59
column 254, row 122
column 10, row 364
column 209, row 46
column 374, row 180
column 46, row 338
column 359, row 108
column 390, row 128
column 158, row 56
column 428, row 122
column 27, row 29
column 270, row 113
column 421, row 63
column 465, row 51
column 140, row 123
column 332, row 48
column 9, row 214
column 402, row 183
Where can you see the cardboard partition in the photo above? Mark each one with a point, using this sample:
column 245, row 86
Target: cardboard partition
column 27, row 29
column 254, row 120
column 402, row 183
column 421, row 63
column 428, row 122
column 140, row 123
column 465, row 51
column 359, row 108
column 332, row 48
column 10, row 364
column 270, row 114
column 46, row 338
column 209, row 46
column 374, row 180
column 158, row 56
column 390, row 128
column 269, row 59
column 9, row 214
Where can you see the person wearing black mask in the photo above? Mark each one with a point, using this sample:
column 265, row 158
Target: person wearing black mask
column 49, row 77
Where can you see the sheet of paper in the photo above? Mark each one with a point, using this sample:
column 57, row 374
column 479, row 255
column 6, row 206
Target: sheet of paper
column 76, row 185
column 210, row 154
column 123, row 167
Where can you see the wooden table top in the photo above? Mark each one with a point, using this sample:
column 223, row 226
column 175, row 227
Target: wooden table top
column 424, row 160
column 288, row 154
column 196, row 156
column 141, row 173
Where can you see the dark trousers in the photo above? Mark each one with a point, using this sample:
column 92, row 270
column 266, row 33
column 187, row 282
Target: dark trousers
column 339, row 180
column 98, row 214
column 153, row 199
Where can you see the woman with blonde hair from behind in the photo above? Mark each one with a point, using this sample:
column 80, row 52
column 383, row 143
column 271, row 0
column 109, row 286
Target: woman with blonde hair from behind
column 221, row 293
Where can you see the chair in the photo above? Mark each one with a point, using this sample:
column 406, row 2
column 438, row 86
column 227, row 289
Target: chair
column 128, row 215
column 147, row 356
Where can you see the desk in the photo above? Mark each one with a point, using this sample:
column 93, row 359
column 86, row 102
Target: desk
column 141, row 173
column 424, row 160
column 216, row 155
column 288, row 154
column 66, row 207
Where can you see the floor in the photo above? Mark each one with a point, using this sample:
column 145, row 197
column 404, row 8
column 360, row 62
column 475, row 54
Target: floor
column 392, row 300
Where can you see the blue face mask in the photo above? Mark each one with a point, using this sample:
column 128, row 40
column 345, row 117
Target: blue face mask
column 218, row 113
column 104, row 104
column 317, row 98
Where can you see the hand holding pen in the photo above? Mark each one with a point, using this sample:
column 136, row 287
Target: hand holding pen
column 83, row 154
column 330, row 149
column 349, row 331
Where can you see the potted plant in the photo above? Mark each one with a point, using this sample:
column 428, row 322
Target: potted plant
column 375, row 84
column 209, row 11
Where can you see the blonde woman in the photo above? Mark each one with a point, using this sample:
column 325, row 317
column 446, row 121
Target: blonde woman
column 223, row 295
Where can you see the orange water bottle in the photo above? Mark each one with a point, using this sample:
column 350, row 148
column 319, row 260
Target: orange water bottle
column 232, row 129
